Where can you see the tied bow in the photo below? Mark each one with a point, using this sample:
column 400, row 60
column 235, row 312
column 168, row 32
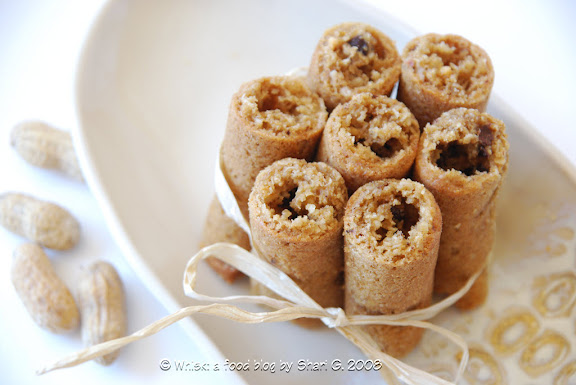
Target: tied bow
column 295, row 304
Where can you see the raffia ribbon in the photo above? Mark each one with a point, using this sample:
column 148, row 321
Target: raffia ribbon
column 296, row 304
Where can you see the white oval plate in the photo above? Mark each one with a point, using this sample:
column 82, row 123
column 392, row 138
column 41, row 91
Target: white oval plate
column 153, row 89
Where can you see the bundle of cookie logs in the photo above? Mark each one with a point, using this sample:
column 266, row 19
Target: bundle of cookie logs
column 356, row 200
column 368, row 203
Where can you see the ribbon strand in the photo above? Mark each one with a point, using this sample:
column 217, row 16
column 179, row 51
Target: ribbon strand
column 300, row 305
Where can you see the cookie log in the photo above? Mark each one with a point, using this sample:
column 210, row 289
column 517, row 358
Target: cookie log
column 218, row 227
column 391, row 237
column 462, row 159
column 270, row 118
column 296, row 217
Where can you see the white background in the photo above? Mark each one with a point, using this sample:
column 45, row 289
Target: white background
column 531, row 43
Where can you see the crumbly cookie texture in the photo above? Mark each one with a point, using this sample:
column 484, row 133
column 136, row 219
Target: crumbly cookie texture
column 391, row 237
column 296, row 218
column 280, row 106
column 370, row 138
column 352, row 58
column 389, row 219
column 442, row 72
column 270, row 118
column 465, row 148
column 462, row 160
column 299, row 198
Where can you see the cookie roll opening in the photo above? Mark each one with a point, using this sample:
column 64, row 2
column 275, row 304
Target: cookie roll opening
column 363, row 54
column 294, row 196
column 370, row 138
column 281, row 105
column 404, row 217
column 351, row 58
column 382, row 128
column 395, row 219
column 449, row 63
column 291, row 204
column 470, row 154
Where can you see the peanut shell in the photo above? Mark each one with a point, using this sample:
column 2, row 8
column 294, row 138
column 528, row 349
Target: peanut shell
column 45, row 146
column 43, row 222
column 102, row 304
column 43, row 293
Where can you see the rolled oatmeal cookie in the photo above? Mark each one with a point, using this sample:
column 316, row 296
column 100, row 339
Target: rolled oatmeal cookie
column 462, row 159
column 218, row 227
column 391, row 237
column 296, row 218
column 370, row 138
column 352, row 58
column 270, row 118
column 442, row 72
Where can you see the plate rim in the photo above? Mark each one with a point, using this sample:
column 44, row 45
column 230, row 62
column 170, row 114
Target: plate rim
column 118, row 232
